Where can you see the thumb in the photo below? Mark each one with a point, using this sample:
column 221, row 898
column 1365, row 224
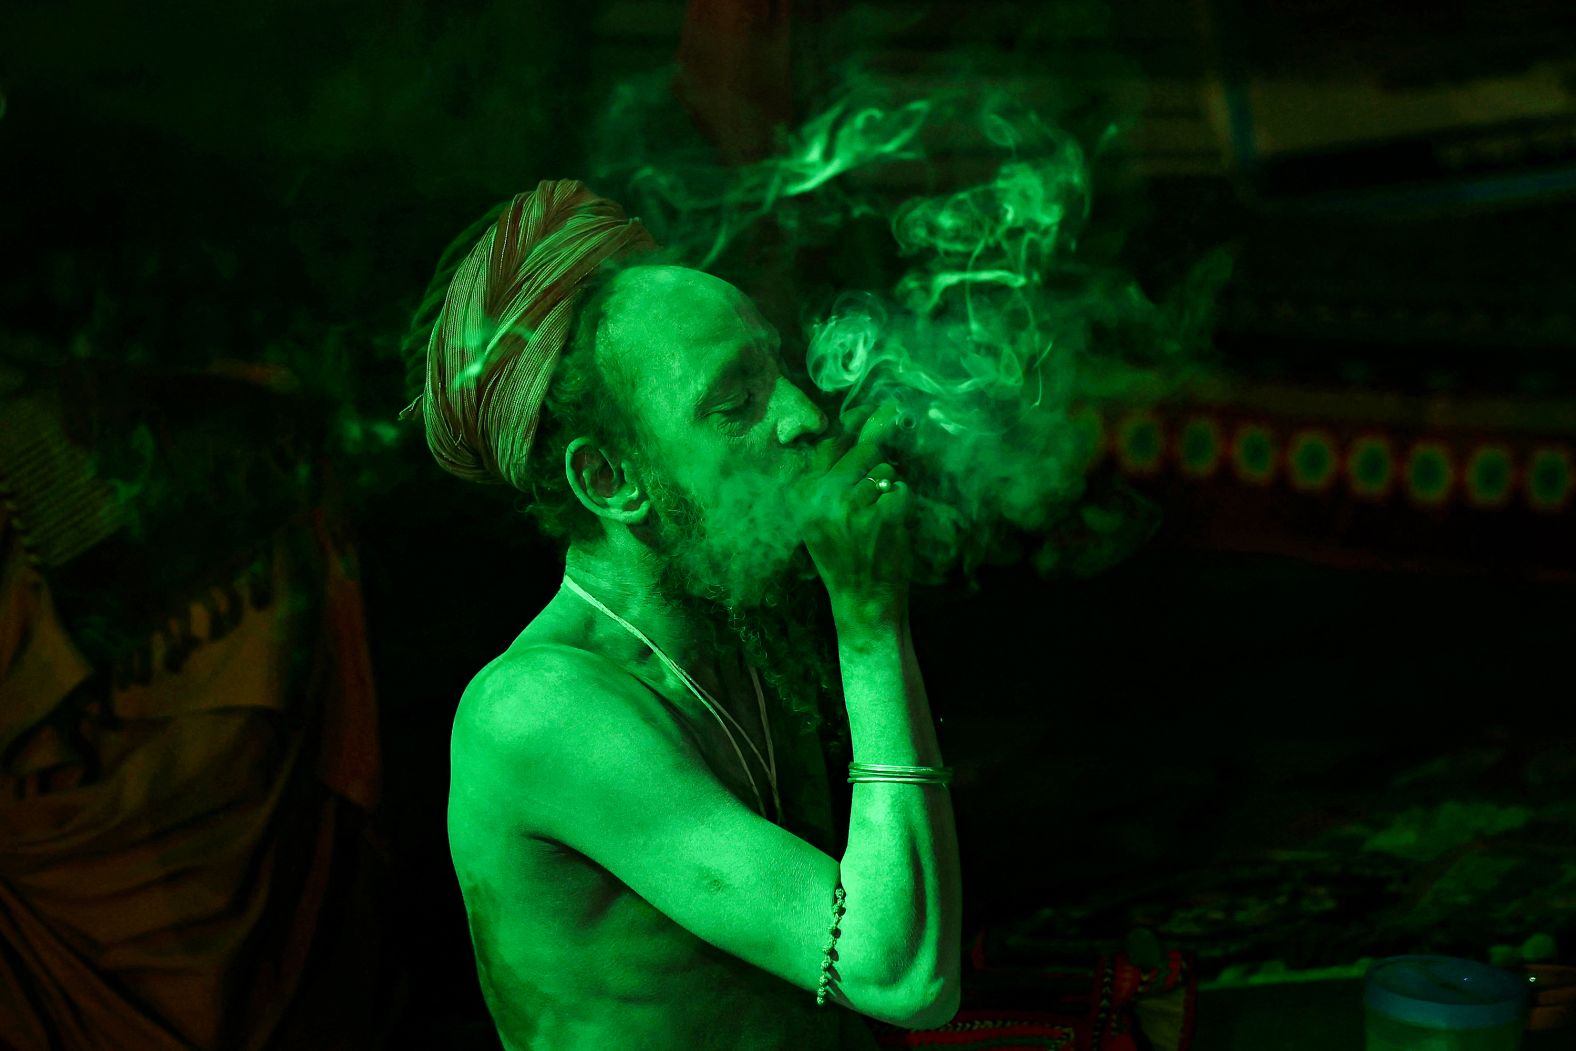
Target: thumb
column 856, row 417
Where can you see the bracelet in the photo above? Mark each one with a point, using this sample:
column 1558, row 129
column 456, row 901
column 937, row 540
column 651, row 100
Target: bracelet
column 831, row 940
column 857, row 772
column 908, row 775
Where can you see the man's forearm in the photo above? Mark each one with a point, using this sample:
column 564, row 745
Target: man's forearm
column 900, row 870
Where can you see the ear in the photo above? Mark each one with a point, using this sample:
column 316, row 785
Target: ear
column 605, row 490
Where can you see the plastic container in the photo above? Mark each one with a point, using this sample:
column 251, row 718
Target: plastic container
column 1441, row 1003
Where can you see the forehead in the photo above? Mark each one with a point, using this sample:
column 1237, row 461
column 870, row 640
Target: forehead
column 672, row 327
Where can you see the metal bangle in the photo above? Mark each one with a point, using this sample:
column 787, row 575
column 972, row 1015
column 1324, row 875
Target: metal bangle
column 909, row 775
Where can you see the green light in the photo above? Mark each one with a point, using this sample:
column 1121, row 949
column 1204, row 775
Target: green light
column 1489, row 476
column 1253, row 454
column 1199, row 447
column 1549, row 478
column 1429, row 475
column 1139, row 443
column 1312, row 458
column 1089, row 433
column 1371, row 466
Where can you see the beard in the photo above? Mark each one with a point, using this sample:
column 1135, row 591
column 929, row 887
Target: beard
column 754, row 589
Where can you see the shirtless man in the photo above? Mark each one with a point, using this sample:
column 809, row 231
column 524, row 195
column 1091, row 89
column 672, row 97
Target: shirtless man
column 636, row 873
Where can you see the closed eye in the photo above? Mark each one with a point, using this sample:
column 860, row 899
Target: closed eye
column 737, row 417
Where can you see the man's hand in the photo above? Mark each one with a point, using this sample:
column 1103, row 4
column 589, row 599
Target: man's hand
column 856, row 533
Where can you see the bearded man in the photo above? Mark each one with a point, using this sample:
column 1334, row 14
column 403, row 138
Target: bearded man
column 642, row 837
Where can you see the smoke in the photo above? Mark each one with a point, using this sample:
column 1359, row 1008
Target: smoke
column 1001, row 344
column 699, row 210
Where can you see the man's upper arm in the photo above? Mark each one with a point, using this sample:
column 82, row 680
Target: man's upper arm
column 598, row 764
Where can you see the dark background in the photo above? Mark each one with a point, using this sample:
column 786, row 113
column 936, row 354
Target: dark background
column 190, row 182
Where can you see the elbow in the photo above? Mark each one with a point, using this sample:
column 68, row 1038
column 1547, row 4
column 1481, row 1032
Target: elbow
column 936, row 1004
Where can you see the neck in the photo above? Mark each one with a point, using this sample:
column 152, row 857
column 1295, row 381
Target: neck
column 627, row 581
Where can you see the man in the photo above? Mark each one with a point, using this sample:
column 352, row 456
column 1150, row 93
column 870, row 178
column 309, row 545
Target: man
column 637, row 872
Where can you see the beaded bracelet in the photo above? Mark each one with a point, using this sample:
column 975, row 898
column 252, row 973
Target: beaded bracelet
column 832, row 932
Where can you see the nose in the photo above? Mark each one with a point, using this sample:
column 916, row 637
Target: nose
column 800, row 421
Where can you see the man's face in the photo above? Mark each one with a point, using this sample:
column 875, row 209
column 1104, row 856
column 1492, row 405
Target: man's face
column 725, row 432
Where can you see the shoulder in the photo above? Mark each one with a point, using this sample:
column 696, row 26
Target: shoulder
column 544, row 688
column 515, row 714
column 544, row 662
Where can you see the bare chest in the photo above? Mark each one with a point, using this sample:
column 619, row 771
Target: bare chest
column 744, row 737
column 570, row 958
column 565, row 950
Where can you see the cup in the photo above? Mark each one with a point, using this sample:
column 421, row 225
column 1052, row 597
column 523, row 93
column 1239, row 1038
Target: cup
column 1442, row 1003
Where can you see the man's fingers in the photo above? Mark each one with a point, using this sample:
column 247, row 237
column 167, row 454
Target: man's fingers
column 880, row 424
column 857, row 423
column 855, row 418
column 865, row 492
column 854, row 465
column 866, row 452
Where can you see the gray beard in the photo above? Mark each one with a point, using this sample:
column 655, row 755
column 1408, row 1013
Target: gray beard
column 782, row 622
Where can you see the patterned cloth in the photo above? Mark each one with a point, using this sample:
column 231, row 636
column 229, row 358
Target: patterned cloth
column 182, row 832
column 1059, row 1008
column 506, row 317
